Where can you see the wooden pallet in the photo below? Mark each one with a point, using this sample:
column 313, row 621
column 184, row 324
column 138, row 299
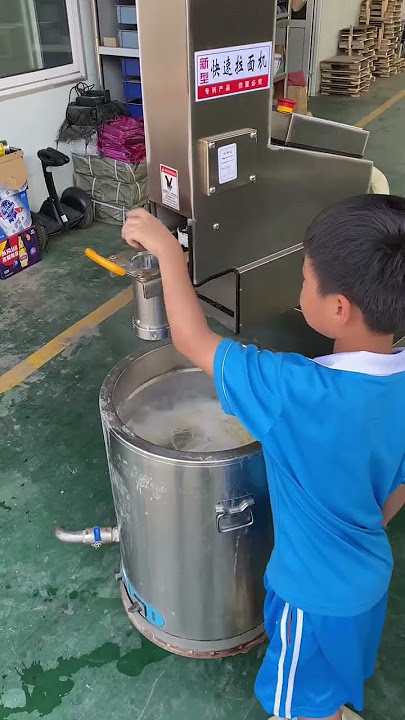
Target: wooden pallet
column 346, row 74
column 355, row 39
column 375, row 12
column 368, row 50
column 360, row 42
column 345, row 63
column 385, row 17
column 334, row 91
column 350, row 92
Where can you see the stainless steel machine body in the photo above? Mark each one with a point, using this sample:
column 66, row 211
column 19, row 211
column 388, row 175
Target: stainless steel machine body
column 246, row 200
column 194, row 526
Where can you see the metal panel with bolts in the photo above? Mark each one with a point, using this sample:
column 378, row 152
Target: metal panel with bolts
column 228, row 161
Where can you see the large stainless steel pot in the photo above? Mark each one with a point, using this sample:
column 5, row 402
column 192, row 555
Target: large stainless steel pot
column 194, row 526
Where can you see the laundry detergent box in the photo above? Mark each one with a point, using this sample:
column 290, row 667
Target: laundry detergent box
column 15, row 214
column 18, row 252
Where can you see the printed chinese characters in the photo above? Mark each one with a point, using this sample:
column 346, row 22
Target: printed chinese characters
column 232, row 70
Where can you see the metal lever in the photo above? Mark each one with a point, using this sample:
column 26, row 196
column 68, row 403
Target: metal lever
column 145, row 269
column 103, row 262
column 234, row 517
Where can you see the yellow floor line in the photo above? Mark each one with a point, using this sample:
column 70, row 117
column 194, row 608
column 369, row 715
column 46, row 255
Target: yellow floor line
column 380, row 110
column 58, row 344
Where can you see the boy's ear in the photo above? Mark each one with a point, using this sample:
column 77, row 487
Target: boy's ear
column 344, row 310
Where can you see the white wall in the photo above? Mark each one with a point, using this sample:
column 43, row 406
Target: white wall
column 335, row 15
column 32, row 121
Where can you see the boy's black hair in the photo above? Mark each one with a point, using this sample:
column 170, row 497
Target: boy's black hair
column 357, row 248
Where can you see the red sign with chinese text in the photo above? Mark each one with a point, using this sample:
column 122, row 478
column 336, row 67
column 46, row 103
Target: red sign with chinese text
column 232, row 71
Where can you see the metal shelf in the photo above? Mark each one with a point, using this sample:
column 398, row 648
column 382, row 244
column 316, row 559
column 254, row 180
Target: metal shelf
column 105, row 25
column 118, row 51
column 283, row 23
column 109, row 66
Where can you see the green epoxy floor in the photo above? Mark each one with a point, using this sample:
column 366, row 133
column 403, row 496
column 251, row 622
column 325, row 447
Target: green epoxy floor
column 66, row 647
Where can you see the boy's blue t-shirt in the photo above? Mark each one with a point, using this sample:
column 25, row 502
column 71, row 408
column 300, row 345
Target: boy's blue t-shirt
column 333, row 436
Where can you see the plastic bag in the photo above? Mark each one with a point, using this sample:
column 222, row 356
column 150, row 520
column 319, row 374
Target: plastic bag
column 123, row 139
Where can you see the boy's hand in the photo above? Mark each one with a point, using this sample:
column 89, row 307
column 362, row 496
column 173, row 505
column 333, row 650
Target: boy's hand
column 142, row 230
column 190, row 332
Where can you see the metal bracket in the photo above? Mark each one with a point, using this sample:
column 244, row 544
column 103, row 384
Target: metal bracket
column 137, row 607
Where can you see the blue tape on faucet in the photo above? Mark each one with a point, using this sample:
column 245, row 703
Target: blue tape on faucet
column 97, row 534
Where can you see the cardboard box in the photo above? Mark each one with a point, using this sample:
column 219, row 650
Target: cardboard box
column 13, row 171
column 15, row 214
column 6, row 192
column 300, row 95
column 110, row 42
column 18, row 252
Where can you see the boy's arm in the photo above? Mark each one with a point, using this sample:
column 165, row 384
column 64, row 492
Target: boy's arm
column 248, row 382
column 394, row 504
column 190, row 332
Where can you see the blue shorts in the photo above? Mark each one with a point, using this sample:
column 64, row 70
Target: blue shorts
column 315, row 664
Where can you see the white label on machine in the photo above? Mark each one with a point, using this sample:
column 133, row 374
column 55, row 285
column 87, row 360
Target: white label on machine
column 227, row 163
column 232, row 71
column 169, row 179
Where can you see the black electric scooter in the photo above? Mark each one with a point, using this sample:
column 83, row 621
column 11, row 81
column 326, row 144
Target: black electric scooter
column 73, row 210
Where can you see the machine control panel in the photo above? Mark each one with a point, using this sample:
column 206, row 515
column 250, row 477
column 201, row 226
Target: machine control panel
column 228, row 161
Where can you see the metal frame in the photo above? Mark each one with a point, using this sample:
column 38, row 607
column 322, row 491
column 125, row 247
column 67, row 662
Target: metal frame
column 42, row 79
column 314, row 54
column 280, row 24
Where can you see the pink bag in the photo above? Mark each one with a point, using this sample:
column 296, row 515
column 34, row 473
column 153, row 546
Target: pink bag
column 123, row 139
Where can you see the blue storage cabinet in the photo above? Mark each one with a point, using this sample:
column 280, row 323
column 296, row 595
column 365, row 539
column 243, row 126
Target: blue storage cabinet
column 128, row 38
column 126, row 15
column 131, row 68
column 132, row 90
column 131, row 71
column 119, row 66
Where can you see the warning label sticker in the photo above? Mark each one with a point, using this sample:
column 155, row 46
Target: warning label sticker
column 169, row 179
column 232, row 71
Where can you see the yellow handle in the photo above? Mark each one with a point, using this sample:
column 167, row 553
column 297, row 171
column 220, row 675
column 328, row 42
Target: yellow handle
column 107, row 264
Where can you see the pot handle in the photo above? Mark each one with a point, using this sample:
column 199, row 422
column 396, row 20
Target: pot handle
column 231, row 516
column 106, row 264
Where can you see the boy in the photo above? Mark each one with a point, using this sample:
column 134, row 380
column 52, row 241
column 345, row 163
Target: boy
column 333, row 436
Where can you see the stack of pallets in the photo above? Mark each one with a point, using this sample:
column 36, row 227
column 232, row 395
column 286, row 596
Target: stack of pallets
column 345, row 75
column 385, row 17
column 360, row 42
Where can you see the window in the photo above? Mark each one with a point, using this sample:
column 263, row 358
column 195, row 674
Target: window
column 40, row 44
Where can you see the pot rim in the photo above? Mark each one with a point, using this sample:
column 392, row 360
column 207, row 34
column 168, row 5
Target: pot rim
column 114, row 423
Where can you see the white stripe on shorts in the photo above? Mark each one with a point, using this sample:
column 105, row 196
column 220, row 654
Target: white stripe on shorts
column 280, row 674
column 294, row 663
